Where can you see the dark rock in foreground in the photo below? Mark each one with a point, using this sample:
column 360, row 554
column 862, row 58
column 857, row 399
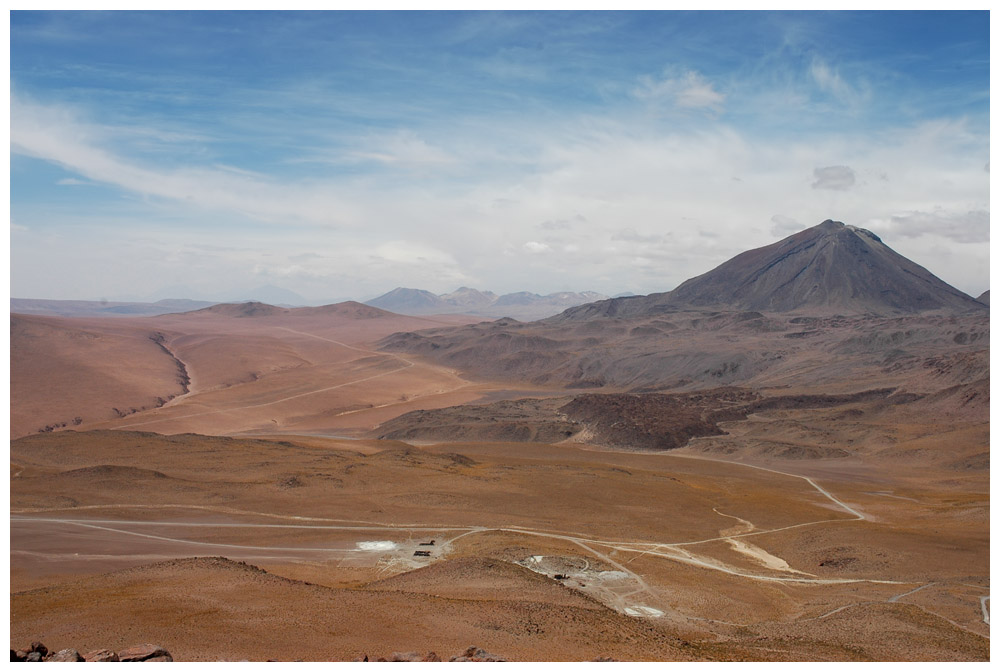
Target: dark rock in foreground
column 144, row 653
column 38, row 652
column 65, row 656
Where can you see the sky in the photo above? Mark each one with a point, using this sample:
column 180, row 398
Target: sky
column 342, row 154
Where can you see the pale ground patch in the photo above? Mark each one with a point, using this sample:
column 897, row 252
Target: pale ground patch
column 762, row 556
column 376, row 545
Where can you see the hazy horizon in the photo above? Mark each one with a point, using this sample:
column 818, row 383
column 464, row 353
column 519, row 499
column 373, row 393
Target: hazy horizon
column 265, row 294
column 343, row 154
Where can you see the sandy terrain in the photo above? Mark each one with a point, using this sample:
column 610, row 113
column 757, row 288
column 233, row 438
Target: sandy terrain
column 602, row 531
column 811, row 516
column 218, row 372
column 64, row 372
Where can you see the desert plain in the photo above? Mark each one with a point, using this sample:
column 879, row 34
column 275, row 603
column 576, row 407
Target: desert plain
column 668, row 482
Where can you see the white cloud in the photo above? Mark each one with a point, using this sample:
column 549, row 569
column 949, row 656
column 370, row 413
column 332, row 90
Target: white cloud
column 785, row 226
column 629, row 234
column 689, row 90
column 558, row 224
column 570, row 186
column 404, row 148
column 53, row 134
column 829, row 81
column 839, row 178
column 962, row 227
column 410, row 252
column 71, row 182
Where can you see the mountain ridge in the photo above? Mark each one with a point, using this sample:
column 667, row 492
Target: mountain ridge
column 820, row 290
column 466, row 300
column 251, row 309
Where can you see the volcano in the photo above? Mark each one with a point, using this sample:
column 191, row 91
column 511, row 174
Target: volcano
column 831, row 268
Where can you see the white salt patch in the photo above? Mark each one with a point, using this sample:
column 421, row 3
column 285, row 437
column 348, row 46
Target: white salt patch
column 643, row 611
column 613, row 575
column 376, row 545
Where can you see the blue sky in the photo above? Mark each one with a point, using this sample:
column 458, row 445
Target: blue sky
column 342, row 154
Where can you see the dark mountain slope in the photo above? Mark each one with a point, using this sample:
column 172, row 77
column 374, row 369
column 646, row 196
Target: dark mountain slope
column 404, row 299
column 247, row 309
column 831, row 305
column 468, row 301
column 348, row 309
column 828, row 269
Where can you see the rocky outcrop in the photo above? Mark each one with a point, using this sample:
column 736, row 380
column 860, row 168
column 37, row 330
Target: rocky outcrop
column 414, row 657
column 473, row 654
column 476, row 655
column 649, row 421
column 38, row 653
column 149, row 653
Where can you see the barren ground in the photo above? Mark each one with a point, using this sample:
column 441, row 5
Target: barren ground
column 855, row 530
column 221, row 374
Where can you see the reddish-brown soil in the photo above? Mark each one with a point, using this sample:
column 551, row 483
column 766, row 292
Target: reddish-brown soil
column 222, row 370
column 798, row 515
column 615, row 531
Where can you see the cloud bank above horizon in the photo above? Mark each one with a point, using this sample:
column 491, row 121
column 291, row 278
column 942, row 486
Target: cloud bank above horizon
column 342, row 154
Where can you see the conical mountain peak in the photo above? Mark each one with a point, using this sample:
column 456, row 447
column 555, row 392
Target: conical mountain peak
column 831, row 267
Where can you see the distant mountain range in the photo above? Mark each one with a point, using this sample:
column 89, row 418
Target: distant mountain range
column 831, row 268
column 347, row 309
column 270, row 294
column 103, row 308
column 468, row 301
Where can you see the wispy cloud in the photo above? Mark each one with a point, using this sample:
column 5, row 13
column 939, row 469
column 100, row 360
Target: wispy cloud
column 591, row 177
column 829, row 80
column 54, row 134
column 629, row 234
column 838, row 178
column 403, row 148
column 962, row 227
column 688, row 90
column 558, row 224
column 430, row 150
column 785, row 226
column 535, row 247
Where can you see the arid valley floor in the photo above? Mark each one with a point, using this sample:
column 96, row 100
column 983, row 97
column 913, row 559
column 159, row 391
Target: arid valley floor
column 661, row 482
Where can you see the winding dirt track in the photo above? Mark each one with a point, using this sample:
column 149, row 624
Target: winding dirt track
column 623, row 599
column 666, row 550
